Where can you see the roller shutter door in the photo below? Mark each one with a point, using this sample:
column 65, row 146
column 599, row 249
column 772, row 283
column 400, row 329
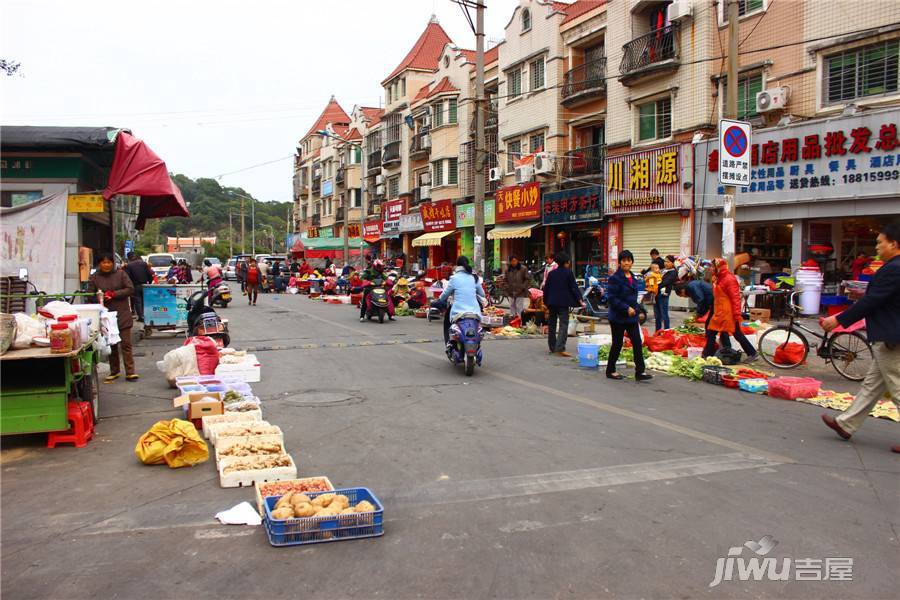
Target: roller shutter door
column 642, row 234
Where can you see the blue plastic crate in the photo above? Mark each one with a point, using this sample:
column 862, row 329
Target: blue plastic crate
column 313, row 530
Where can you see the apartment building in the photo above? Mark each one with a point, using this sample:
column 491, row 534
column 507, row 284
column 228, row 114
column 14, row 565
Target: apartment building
column 824, row 98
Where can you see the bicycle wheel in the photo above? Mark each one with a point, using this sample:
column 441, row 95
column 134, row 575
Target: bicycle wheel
column 851, row 355
column 777, row 337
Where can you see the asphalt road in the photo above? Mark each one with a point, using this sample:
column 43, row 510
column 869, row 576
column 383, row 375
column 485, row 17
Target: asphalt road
column 532, row 479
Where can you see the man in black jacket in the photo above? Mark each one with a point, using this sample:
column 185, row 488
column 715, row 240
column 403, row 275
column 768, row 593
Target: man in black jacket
column 560, row 293
column 140, row 274
column 880, row 307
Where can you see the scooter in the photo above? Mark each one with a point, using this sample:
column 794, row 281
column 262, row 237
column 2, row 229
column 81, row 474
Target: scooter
column 465, row 335
column 203, row 320
column 595, row 300
column 221, row 295
column 377, row 302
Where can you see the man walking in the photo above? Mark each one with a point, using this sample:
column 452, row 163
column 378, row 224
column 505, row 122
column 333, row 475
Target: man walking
column 140, row 274
column 560, row 293
column 880, row 307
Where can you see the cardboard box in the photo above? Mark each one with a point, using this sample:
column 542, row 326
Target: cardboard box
column 192, row 397
column 205, row 408
column 760, row 314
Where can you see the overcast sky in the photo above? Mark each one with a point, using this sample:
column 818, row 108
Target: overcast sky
column 213, row 86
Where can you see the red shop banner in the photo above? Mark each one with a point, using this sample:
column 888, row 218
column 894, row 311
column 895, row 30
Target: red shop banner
column 392, row 210
column 372, row 231
column 518, row 203
column 438, row 216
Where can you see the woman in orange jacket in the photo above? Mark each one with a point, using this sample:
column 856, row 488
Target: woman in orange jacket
column 726, row 315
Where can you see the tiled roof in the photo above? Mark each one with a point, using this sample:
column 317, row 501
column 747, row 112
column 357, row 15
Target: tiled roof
column 443, row 86
column 333, row 114
column 373, row 114
column 425, row 52
column 490, row 55
column 581, row 7
column 469, row 54
column 562, row 7
column 353, row 134
column 423, row 93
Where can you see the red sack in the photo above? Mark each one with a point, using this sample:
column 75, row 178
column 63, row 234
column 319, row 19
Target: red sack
column 516, row 322
column 695, row 340
column 789, row 353
column 659, row 343
column 666, row 333
column 207, row 353
column 682, row 352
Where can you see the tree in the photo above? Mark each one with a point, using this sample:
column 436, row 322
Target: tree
column 10, row 67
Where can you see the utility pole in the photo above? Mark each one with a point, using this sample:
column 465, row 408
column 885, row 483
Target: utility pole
column 230, row 236
column 728, row 212
column 253, row 225
column 479, row 137
column 243, row 247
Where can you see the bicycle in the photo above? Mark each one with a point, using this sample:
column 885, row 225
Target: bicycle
column 849, row 352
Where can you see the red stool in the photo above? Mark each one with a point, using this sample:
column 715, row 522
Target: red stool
column 81, row 426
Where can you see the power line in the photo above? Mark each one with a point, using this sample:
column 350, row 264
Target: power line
column 262, row 164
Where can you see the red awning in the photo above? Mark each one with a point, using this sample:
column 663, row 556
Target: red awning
column 372, row 239
column 137, row 170
column 297, row 249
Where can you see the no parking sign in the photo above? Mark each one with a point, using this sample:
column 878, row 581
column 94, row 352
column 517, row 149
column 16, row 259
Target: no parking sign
column 734, row 152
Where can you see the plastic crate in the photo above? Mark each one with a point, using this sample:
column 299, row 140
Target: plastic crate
column 791, row 388
column 713, row 374
column 754, row 386
column 313, row 530
column 329, row 487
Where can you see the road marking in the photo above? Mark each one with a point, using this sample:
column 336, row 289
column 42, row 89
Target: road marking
column 215, row 534
column 451, row 492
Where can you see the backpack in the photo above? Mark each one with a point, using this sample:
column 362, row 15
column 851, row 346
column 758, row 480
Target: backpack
column 253, row 275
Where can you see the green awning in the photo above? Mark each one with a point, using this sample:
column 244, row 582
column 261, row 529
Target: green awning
column 328, row 243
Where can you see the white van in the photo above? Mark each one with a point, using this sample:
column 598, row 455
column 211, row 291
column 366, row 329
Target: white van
column 160, row 263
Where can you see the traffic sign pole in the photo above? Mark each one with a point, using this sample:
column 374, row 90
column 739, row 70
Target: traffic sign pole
column 728, row 215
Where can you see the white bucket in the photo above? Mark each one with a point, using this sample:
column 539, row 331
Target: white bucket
column 810, row 298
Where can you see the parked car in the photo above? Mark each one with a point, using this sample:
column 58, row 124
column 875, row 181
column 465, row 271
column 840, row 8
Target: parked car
column 215, row 261
column 230, row 270
column 160, row 263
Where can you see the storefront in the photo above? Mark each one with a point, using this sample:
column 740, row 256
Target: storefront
column 646, row 205
column 519, row 231
column 465, row 223
column 410, row 228
column 441, row 238
column 576, row 218
column 818, row 190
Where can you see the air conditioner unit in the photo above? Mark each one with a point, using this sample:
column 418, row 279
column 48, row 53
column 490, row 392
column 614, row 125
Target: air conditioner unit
column 425, row 192
column 379, row 179
column 379, row 189
column 679, row 10
column 426, row 120
column 496, row 174
column 524, row 174
column 425, row 179
column 773, row 99
column 544, row 163
column 426, row 141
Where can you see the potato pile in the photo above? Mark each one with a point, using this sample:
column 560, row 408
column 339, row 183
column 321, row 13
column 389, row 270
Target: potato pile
column 296, row 505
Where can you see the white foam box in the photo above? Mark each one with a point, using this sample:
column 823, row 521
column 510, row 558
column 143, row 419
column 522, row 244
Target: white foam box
column 249, row 370
column 231, row 441
column 251, row 477
column 243, row 417
column 218, row 433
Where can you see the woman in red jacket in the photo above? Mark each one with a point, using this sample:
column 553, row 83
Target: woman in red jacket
column 726, row 312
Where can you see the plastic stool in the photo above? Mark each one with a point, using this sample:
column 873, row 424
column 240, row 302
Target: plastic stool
column 81, row 429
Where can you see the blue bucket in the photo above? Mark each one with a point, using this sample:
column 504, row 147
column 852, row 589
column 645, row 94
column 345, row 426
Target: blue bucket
column 588, row 356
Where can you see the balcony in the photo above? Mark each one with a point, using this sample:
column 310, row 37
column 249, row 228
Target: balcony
column 391, row 154
column 339, row 214
column 653, row 53
column 585, row 82
column 374, row 209
column 373, row 164
column 315, row 220
column 420, row 147
column 586, row 162
column 316, row 184
column 341, row 175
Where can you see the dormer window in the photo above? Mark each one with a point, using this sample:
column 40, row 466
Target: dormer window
column 526, row 20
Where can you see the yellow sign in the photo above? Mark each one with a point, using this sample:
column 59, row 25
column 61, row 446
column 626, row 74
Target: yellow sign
column 84, row 203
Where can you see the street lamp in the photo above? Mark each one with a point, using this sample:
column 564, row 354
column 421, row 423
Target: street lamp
column 252, row 219
column 362, row 218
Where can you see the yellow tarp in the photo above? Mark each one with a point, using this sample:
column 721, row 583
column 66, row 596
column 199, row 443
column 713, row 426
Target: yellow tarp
column 175, row 443
column 509, row 232
column 432, row 239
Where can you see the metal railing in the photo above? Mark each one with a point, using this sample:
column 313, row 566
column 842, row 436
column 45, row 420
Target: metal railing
column 589, row 77
column 418, row 145
column 315, row 220
column 586, row 161
column 391, row 153
column 339, row 214
column 374, row 161
column 316, row 184
column 340, row 175
column 649, row 49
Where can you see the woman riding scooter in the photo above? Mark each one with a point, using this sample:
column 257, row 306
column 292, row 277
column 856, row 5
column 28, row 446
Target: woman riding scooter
column 372, row 276
column 468, row 294
column 213, row 276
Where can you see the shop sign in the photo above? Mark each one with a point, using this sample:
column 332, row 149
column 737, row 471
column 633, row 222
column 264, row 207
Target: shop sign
column 328, row 187
column 312, row 232
column 392, row 213
column 353, row 231
column 839, row 158
column 572, row 206
column 734, row 152
column 518, row 203
column 465, row 214
column 438, row 216
column 411, row 223
column 644, row 181
column 326, row 232
column 372, row 229
column 86, row 203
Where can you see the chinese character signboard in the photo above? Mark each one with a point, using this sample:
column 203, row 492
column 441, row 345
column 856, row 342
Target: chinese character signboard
column 518, row 203
column 392, row 212
column 411, row 223
column 572, row 206
column 353, row 231
column 465, row 214
column 312, row 232
column 85, row 203
column 644, row 181
column 840, row 158
column 734, row 152
column 328, row 187
column 438, row 216
column 372, row 230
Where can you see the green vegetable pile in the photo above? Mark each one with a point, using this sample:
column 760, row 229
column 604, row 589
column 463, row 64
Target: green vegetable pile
column 232, row 396
column 627, row 354
column 692, row 369
column 689, row 329
column 404, row 311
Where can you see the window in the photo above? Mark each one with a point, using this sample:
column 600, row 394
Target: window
column 537, row 74
column 526, row 20
column 748, row 87
column 748, row 6
column 655, row 120
column 452, row 171
column 355, row 155
column 513, row 153
column 394, row 186
column 451, row 110
column 355, row 198
column 514, row 82
column 536, row 143
column 387, row 95
column 437, row 114
column 18, row 198
column 403, row 87
column 437, row 168
column 863, row 72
